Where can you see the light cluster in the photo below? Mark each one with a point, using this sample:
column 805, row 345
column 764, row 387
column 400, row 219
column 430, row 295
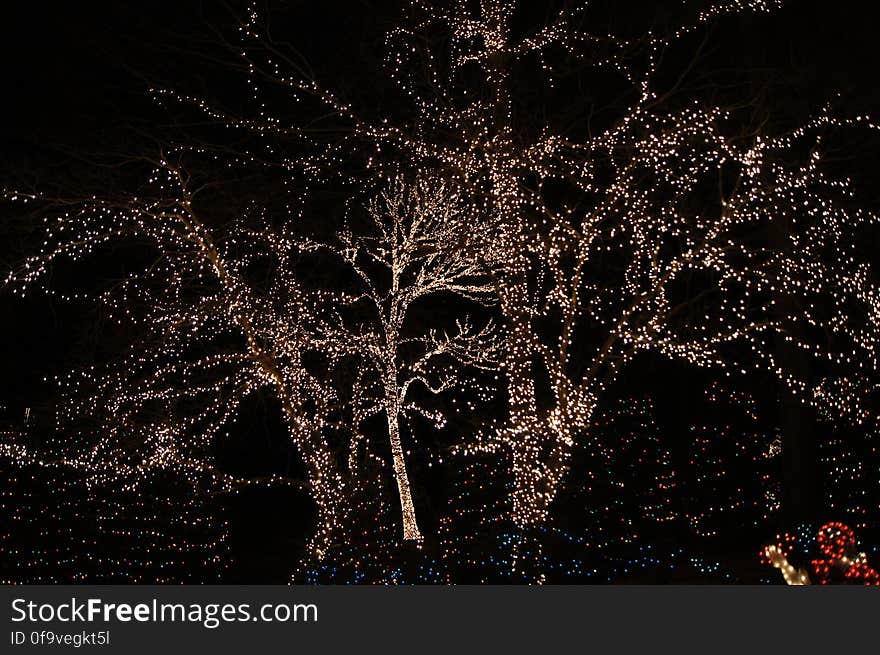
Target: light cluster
column 209, row 337
column 837, row 542
column 644, row 503
column 840, row 561
column 770, row 248
column 777, row 556
column 408, row 254
column 59, row 528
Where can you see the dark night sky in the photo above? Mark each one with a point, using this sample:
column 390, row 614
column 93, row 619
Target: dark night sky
column 70, row 70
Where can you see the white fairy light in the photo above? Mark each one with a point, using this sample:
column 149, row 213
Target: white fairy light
column 610, row 263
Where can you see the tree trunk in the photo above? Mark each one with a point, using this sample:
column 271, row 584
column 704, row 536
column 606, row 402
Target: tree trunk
column 333, row 523
column 523, row 430
column 407, row 509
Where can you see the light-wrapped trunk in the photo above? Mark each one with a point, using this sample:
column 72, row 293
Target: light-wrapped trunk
column 407, row 509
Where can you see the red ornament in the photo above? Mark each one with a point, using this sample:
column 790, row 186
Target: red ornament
column 837, row 542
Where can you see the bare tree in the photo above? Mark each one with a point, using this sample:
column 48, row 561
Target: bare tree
column 213, row 337
column 204, row 338
column 410, row 252
column 635, row 253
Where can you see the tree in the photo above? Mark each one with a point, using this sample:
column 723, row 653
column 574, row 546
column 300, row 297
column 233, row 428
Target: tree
column 646, row 233
column 204, row 337
column 409, row 253
column 216, row 337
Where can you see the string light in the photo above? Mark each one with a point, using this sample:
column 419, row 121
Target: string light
column 606, row 258
column 776, row 555
column 837, row 542
column 195, row 300
column 611, row 262
column 61, row 528
column 412, row 244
